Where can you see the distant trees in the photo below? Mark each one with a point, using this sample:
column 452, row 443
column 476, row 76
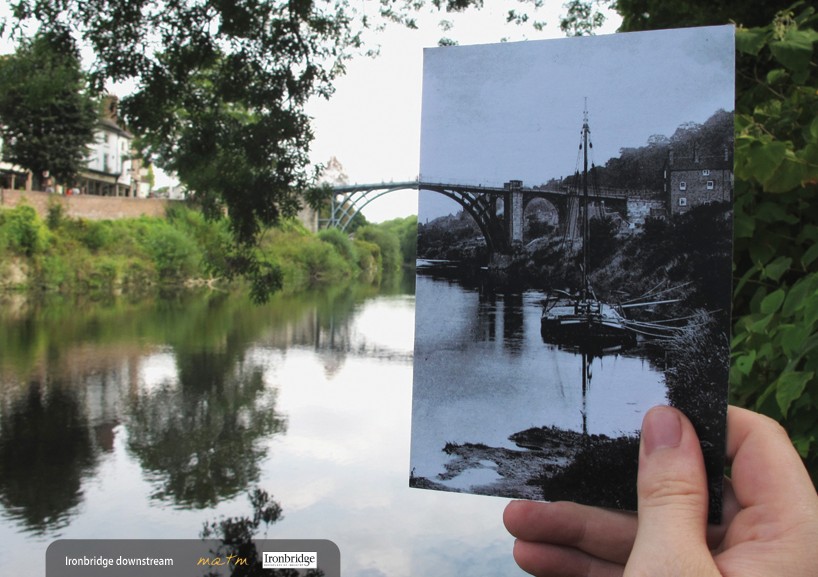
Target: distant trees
column 47, row 111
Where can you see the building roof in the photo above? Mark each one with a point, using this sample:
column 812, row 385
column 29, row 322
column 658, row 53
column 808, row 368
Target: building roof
column 111, row 126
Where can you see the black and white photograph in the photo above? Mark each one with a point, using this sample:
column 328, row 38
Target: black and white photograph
column 574, row 260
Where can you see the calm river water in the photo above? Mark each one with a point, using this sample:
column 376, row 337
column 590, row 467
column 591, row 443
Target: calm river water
column 148, row 419
column 483, row 373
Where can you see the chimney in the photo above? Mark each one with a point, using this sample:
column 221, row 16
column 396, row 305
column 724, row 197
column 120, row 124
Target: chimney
column 110, row 104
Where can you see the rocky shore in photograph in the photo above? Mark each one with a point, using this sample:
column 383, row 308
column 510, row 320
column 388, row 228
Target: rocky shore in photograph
column 545, row 467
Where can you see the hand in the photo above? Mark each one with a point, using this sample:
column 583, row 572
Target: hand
column 770, row 525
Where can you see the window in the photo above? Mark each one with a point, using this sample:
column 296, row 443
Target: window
column 683, row 185
column 706, row 172
column 682, row 201
column 710, row 185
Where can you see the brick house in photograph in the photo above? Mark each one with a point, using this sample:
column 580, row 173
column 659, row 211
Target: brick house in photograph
column 696, row 180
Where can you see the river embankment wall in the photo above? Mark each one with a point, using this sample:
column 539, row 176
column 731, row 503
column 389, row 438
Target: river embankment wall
column 94, row 207
column 87, row 206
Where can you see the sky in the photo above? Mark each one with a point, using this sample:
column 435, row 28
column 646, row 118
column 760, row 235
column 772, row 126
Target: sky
column 496, row 112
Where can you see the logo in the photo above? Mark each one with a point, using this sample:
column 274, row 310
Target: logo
column 289, row 560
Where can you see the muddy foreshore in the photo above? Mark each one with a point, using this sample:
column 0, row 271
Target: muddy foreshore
column 545, row 455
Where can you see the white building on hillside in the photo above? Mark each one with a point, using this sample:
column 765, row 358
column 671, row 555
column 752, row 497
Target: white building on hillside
column 112, row 168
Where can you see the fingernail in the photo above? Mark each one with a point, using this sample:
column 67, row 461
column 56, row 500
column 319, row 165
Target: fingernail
column 661, row 429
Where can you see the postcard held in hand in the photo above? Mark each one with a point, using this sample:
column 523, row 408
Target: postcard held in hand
column 574, row 260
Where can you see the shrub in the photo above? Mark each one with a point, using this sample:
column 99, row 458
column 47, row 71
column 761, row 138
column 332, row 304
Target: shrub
column 25, row 232
column 406, row 229
column 95, row 234
column 56, row 214
column 53, row 273
column 305, row 260
column 343, row 245
column 173, row 253
column 369, row 260
column 388, row 243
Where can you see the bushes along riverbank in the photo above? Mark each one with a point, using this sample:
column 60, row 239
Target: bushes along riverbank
column 60, row 254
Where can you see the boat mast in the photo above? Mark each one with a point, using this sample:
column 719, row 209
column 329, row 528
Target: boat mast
column 586, row 232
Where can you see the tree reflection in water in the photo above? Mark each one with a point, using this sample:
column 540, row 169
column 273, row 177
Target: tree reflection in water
column 46, row 450
column 199, row 439
column 237, row 533
column 73, row 376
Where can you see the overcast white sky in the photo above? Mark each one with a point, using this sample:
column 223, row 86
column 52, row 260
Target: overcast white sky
column 493, row 113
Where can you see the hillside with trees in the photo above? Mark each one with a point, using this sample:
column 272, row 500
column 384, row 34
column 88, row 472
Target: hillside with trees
column 641, row 169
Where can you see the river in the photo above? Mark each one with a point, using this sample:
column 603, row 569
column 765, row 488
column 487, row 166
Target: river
column 150, row 418
column 483, row 373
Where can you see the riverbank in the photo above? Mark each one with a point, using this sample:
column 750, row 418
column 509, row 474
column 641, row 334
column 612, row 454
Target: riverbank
column 181, row 250
column 551, row 464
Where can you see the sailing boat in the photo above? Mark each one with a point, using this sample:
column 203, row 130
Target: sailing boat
column 581, row 319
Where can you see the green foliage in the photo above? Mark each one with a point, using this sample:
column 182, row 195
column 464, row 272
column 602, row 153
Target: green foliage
column 134, row 255
column 173, row 253
column 342, row 243
column 94, row 234
column 221, row 89
column 406, row 229
column 53, row 273
column 658, row 14
column 56, row 213
column 776, row 260
column 23, row 230
column 389, row 245
column 212, row 237
column 307, row 260
column 47, row 116
column 369, row 261
column 775, row 263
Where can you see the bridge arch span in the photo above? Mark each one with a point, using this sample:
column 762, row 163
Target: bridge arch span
column 501, row 229
column 348, row 201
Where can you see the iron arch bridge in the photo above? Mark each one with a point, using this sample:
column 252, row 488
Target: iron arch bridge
column 498, row 211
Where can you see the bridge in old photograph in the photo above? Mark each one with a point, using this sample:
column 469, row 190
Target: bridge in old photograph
column 497, row 210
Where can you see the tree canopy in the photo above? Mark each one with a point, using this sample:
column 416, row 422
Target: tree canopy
column 47, row 113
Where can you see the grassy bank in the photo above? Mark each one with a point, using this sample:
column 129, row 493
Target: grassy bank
column 67, row 255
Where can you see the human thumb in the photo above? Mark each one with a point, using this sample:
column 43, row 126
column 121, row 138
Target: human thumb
column 672, row 489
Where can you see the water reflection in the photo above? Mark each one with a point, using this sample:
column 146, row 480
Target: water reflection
column 337, row 365
column 47, row 448
column 199, row 438
column 177, row 376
